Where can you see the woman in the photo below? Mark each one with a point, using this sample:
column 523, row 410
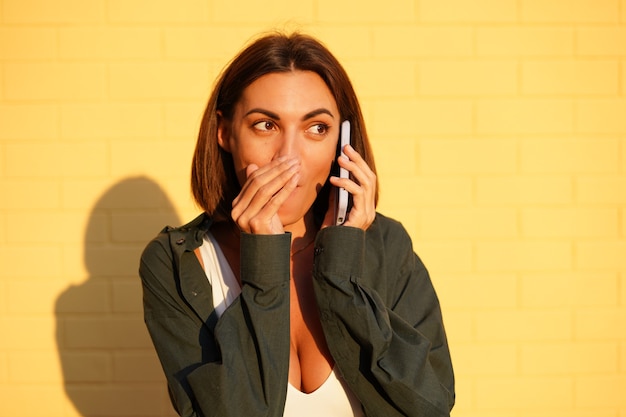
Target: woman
column 261, row 306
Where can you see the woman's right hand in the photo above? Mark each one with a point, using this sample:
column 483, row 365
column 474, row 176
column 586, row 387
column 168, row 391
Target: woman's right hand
column 255, row 209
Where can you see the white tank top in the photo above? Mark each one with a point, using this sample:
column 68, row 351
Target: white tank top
column 332, row 399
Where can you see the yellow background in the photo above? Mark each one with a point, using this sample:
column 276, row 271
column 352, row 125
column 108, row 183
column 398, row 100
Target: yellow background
column 500, row 133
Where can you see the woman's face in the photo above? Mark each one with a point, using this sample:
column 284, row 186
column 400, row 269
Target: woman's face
column 289, row 114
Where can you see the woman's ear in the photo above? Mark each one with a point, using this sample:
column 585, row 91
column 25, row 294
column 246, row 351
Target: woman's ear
column 223, row 132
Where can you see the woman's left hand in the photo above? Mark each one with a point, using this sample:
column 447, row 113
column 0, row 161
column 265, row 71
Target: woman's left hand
column 362, row 188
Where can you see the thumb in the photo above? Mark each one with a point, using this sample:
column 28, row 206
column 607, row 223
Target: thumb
column 250, row 169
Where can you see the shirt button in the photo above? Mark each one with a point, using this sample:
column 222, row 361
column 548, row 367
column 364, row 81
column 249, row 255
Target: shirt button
column 180, row 241
column 318, row 251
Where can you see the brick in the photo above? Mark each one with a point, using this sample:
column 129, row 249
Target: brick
column 105, row 333
column 91, row 296
column 54, row 81
column 468, row 156
column 146, row 11
column 571, row 412
column 171, row 158
column 86, row 367
column 347, row 41
column 464, row 223
column 130, row 193
column 524, row 41
column 523, row 255
column 34, row 367
column 285, row 13
column 22, row 300
column 468, row 291
column 524, row 116
column 484, row 360
column 463, row 78
column 75, row 262
column 570, row 77
column 53, row 227
column 346, row 12
column 135, row 193
column 445, row 256
column 602, row 255
column 575, row 222
column 601, row 189
column 601, row 116
column 433, row 116
column 523, row 325
column 141, row 366
column 60, row 159
column 601, row 41
column 4, row 369
column 159, row 80
column 601, row 391
column 51, row 400
column 459, row 325
column 127, row 296
column 17, row 43
column 524, row 393
column 524, row 189
column 607, row 324
column 18, row 262
column 182, row 120
column 577, row 11
column 16, row 121
column 110, row 43
column 113, row 261
column 367, row 80
column 558, row 155
column 139, row 226
column 29, row 194
column 119, row 400
column 111, row 120
column 55, row 11
column 448, row 41
column 572, row 289
column 199, row 42
column 39, row 337
column 568, row 358
column 425, row 191
column 461, row 11
column 395, row 157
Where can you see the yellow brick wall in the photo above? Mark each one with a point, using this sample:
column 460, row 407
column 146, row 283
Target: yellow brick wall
column 500, row 133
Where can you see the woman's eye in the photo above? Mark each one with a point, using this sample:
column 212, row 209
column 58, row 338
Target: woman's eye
column 264, row 125
column 318, row 129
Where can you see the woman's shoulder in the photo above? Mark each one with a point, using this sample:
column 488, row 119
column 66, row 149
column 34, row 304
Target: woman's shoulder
column 171, row 236
column 389, row 230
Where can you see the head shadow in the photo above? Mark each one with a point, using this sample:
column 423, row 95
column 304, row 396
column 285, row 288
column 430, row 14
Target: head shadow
column 108, row 361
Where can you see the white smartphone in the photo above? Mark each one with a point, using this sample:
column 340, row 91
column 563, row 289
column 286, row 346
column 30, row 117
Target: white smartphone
column 342, row 194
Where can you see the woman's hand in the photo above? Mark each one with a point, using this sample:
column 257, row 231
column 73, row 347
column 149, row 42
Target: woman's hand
column 255, row 209
column 362, row 188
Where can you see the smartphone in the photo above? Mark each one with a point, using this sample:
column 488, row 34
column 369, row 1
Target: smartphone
column 342, row 195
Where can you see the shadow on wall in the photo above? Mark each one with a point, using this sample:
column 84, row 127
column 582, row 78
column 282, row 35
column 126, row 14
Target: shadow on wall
column 109, row 365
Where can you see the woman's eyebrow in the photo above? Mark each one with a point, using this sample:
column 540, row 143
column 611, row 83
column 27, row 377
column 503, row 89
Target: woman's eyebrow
column 316, row 112
column 268, row 113
column 275, row 116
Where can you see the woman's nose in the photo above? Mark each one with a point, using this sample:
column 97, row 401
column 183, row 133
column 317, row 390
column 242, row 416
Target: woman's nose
column 289, row 144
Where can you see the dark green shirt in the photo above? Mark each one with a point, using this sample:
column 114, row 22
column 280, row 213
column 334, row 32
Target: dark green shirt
column 379, row 311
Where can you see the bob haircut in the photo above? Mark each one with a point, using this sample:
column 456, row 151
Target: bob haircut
column 213, row 179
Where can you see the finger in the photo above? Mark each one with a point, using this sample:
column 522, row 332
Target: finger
column 257, row 177
column 264, row 199
column 266, row 220
column 329, row 218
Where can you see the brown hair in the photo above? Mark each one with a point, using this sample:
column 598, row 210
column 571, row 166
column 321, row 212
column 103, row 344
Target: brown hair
column 213, row 179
